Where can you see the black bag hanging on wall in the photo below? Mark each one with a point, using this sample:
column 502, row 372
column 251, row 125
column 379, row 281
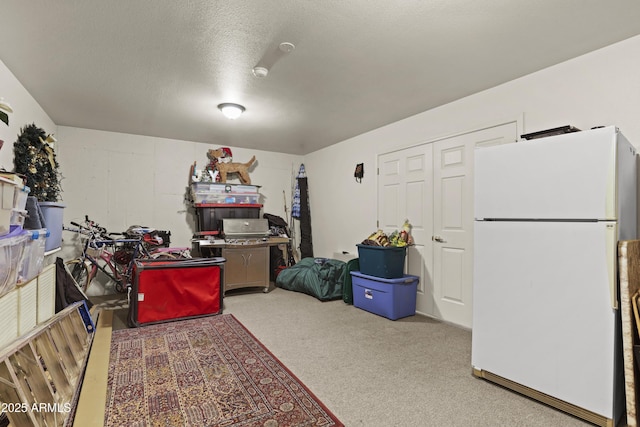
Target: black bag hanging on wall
column 306, row 243
column 359, row 173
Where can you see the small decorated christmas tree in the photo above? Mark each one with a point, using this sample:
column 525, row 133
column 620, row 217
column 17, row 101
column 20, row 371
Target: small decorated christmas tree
column 35, row 158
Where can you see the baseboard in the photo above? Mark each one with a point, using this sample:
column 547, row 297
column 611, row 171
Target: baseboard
column 569, row 408
column 346, row 257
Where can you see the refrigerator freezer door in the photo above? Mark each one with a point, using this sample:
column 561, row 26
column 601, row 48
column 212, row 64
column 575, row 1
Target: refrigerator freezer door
column 570, row 176
column 542, row 314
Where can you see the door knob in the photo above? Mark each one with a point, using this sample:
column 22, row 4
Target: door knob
column 438, row 239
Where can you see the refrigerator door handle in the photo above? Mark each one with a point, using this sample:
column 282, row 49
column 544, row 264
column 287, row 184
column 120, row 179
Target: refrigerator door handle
column 611, row 248
column 611, row 192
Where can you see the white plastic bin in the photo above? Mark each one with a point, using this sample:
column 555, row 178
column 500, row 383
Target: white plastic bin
column 27, row 306
column 8, row 318
column 18, row 217
column 7, row 194
column 11, row 251
column 46, row 293
column 20, row 197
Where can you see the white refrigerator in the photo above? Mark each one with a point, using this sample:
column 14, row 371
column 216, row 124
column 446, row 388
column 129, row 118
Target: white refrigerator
column 548, row 215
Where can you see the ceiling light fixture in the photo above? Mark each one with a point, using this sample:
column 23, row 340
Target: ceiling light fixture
column 230, row 110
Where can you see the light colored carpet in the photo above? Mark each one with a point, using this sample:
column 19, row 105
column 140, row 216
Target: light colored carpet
column 371, row 371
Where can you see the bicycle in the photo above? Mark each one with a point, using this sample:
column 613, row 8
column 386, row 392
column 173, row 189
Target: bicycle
column 100, row 252
column 153, row 244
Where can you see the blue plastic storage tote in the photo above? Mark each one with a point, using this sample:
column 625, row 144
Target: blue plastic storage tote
column 390, row 298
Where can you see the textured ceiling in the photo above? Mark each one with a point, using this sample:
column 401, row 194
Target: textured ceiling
column 160, row 67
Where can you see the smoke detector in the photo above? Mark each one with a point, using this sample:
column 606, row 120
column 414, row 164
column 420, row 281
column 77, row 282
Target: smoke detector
column 260, row 72
column 286, row 47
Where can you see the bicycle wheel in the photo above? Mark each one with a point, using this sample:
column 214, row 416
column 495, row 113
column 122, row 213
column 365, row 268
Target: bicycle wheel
column 122, row 275
column 79, row 271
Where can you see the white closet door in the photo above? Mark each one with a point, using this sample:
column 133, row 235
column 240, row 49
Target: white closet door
column 453, row 220
column 432, row 186
column 405, row 190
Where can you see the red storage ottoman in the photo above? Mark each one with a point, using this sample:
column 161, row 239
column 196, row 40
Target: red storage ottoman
column 165, row 290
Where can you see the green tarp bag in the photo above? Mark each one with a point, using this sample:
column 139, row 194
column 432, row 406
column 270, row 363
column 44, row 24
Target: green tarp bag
column 347, row 289
column 322, row 278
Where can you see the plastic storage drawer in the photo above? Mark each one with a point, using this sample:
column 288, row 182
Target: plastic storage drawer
column 226, row 198
column 222, row 187
column 33, row 257
column 390, row 298
column 11, row 253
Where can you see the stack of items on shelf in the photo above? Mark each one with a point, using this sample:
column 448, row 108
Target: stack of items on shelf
column 222, row 193
column 25, row 298
column 21, row 251
column 380, row 286
column 13, row 201
column 216, row 201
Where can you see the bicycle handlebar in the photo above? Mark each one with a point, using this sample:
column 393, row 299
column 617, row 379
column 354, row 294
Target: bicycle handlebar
column 114, row 241
column 98, row 237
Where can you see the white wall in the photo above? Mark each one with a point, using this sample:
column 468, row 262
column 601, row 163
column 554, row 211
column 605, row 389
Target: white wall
column 120, row 180
column 25, row 111
column 600, row 88
column 150, row 174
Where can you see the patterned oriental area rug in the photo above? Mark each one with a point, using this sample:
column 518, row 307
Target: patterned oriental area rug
column 209, row 371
